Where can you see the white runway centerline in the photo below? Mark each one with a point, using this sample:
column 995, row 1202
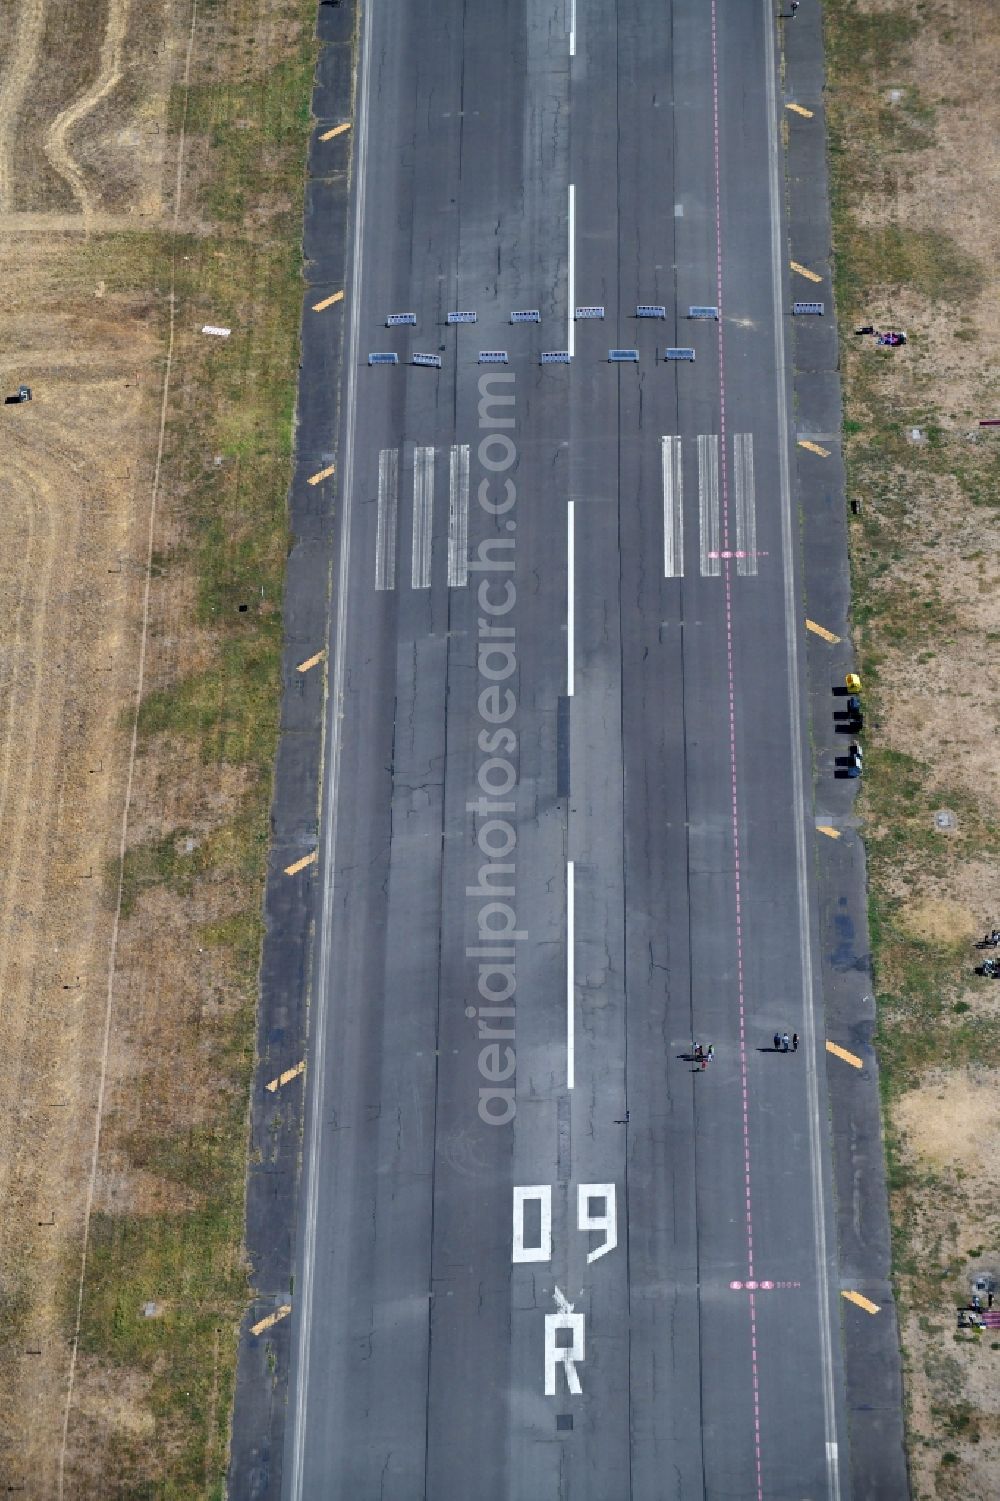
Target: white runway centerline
column 385, row 531
column 570, row 596
column 673, row 508
column 571, row 274
column 746, row 505
column 458, row 516
column 708, row 504
column 570, row 978
column 423, row 517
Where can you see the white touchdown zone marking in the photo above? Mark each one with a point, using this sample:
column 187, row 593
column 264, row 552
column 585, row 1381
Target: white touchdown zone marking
column 385, row 525
column 423, row 517
column 570, row 977
column 571, row 274
column 746, row 505
column 458, row 516
column 708, row 504
column 673, row 507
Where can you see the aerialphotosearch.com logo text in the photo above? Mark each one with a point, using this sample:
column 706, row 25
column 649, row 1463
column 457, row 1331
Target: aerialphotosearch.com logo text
column 498, row 934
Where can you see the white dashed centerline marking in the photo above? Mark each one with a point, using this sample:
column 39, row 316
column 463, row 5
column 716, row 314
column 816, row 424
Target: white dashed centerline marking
column 385, row 529
column 572, row 28
column 571, row 275
column 673, row 508
column 570, row 979
column 570, row 596
column 423, row 517
column 458, row 516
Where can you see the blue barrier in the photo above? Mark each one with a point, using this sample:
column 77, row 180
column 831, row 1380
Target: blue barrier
column 434, row 360
column 650, row 310
column 807, row 307
column 383, row 359
column 528, row 315
column 590, row 312
column 615, row 356
column 493, row 356
column 679, row 354
column 462, row 317
column 394, row 319
column 555, row 357
column 703, row 312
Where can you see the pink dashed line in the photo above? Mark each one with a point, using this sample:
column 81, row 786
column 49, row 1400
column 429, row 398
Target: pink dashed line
column 727, row 557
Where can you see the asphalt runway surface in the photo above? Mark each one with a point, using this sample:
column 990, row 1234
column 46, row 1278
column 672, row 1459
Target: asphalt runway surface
column 542, row 1253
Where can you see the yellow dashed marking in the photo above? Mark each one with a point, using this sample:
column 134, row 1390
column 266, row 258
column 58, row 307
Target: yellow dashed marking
column 321, row 474
column 824, row 828
column 821, row 630
column 861, row 1301
column 297, row 865
column 800, row 109
column 338, row 130
column 804, row 271
column 824, row 453
column 327, row 302
column 839, row 1052
column 272, row 1318
column 286, row 1077
column 310, row 662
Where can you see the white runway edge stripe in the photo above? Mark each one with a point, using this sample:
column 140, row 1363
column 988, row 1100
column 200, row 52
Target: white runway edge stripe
column 385, row 526
column 302, row 1314
column 708, row 504
column 423, row 517
column 458, row 516
column 673, row 507
column 746, row 505
column 818, row 1125
column 570, row 977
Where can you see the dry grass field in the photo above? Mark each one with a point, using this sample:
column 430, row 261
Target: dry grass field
column 915, row 129
column 151, row 163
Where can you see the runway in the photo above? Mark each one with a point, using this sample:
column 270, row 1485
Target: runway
column 567, row 830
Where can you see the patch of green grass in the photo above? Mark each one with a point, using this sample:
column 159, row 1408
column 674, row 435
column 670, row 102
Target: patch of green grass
column 240, row 936
column 857, row 41
column 231, row 709
column 253, row 129
column 167, row 862
column 185, row 1264
column 928, row 261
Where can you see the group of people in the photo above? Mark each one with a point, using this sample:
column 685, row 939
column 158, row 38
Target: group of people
column 782, row 1043
column 890, row 337
column 974, row 1315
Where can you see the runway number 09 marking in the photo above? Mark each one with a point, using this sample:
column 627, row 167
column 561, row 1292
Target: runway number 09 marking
column 603, row 1220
